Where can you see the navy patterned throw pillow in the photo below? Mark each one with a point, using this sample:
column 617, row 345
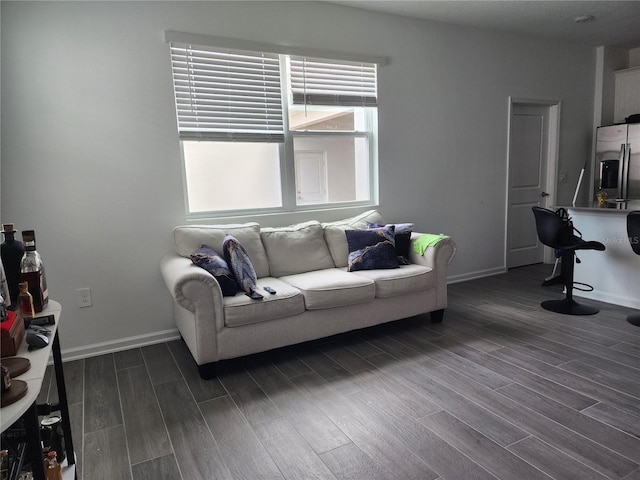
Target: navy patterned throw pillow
column 371, row 249
column 402, row 238
column 213, row 263
column 240, row 263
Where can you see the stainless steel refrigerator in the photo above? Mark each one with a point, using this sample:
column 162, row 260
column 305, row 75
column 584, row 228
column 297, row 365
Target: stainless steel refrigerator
column 617, row 165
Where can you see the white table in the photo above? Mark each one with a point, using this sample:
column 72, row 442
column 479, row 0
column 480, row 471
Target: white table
column 26, row 407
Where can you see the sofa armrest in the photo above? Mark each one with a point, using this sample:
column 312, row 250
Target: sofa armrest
column 198, row 305
column 178, row 272
column 442, row 252
column 437, row 258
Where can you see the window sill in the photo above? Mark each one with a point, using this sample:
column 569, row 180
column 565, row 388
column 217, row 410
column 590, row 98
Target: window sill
column 283, row 217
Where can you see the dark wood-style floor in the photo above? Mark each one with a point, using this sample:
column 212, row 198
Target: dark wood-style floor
column 502, row 389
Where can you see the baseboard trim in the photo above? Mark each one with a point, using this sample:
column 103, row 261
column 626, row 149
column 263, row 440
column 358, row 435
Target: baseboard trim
column 464, row 277
column 119, row 345
column 173, row 334
column 608, row 298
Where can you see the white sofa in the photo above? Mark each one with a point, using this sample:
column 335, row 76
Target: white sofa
column 315, row 294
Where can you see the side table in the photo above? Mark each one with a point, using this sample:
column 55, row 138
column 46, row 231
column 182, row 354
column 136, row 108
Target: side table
column 27, row 408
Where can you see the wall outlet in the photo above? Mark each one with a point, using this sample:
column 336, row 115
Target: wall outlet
column 84, row 297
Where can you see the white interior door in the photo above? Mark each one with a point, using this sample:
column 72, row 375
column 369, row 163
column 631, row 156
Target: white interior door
column 529, row 185
column 311, row 176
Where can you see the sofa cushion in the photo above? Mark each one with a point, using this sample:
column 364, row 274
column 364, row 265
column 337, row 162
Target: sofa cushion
column 217, row 266
column 371, row 249
column 332, row 287
column 241, row 310
column 189, row 238
column 336, row 239
column 399, row 281
column 240, row 263
column 296, row 249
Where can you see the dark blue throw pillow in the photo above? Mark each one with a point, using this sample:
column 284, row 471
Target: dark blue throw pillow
column 213, row 263
column 371, row 249
column 402, row 239
column 240, row 263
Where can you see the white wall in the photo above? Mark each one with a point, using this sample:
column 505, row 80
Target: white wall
column 634, row 57
column 91, row 159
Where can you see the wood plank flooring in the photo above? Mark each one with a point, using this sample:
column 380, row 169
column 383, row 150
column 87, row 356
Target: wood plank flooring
column 501, row 390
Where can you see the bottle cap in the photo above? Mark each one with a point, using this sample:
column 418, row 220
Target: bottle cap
column 8, row 228
column 29, row 239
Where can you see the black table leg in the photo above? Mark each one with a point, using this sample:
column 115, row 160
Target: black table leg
column 34, row 449
column 62, row 400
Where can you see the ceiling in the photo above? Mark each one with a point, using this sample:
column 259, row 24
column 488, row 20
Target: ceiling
column 615, row 23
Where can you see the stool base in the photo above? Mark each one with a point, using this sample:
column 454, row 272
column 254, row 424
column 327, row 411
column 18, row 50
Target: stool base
column 634, row 320
column 569, row 307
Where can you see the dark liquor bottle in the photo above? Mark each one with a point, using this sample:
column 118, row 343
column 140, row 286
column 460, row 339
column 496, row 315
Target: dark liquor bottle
column 32, row 271
column 12, row 252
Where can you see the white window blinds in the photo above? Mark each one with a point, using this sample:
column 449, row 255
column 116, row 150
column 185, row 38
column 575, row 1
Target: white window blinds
column 228, row 95
column 329, row 82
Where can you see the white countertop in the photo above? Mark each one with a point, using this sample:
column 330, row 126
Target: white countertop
column 605, row 211
column 39, row 359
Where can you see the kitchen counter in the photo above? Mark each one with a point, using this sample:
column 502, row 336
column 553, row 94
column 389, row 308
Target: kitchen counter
column 631, row 206
column 598, row 210
column 615, row 272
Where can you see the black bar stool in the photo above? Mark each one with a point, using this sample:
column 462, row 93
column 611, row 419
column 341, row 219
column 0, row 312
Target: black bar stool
column 558, row 233
column 633, row 230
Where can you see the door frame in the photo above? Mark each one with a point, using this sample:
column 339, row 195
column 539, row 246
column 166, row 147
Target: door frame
column 553, row 147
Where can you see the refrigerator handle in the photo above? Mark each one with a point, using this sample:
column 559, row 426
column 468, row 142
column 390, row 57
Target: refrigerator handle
column 622, row 190
column 626, row 169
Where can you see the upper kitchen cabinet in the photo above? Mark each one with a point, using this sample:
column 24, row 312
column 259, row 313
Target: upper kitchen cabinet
column 627, row 93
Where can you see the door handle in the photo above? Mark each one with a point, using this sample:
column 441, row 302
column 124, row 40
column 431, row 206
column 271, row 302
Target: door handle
column 544, row 194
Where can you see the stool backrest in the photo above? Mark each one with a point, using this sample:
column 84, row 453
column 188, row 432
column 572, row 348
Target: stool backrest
column 552, row 230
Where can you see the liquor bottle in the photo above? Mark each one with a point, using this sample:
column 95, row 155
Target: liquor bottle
column 4, row 469
column 3, row 310
column 12, row 252
column 6, row 378
column 52, row 436
column 32, row 271
column 53, row 470
column 4, row 293
column 25, row 302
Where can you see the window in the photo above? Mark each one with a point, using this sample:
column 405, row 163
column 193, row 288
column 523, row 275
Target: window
column 267, row 132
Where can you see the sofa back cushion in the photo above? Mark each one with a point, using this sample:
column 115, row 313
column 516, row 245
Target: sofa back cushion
column 336, row 238
column 188, row 239
column 296, row 249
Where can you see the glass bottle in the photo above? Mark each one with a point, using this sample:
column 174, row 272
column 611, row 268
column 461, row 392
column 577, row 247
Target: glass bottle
column 52, row 436
column 6, row 378
column 32, row 271
column 25, row 302
column 11, row 252
column 53, row 470
column 3, row 310
column 602, row 199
